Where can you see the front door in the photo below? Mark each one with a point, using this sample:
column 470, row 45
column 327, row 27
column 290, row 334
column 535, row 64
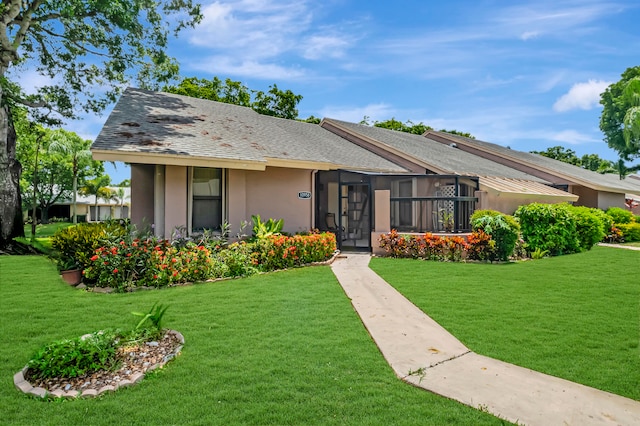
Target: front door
column 355, row 220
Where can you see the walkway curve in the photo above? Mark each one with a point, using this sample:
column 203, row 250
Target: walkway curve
column 424, row 354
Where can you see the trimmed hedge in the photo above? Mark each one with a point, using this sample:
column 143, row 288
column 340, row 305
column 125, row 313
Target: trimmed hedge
column 630, row 231
column 549, row 227
column 590, row 226
column 620, row 215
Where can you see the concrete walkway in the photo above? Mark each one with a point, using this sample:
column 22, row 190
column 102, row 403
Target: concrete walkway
column 424, row 354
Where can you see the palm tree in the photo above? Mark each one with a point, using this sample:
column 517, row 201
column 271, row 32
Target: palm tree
column 76, row 148
column 98, row 188
column 623, row 170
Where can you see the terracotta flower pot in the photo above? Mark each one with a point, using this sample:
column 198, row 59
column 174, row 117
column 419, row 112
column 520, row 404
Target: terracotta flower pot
column 72, row 277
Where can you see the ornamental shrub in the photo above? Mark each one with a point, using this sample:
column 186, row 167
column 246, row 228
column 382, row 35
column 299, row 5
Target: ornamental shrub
column 504, row 230
column 76, row 244
column 481, row 246
column 427, row 246
column 590, row 226
column 280, row 251
column 630, row 232
column 127, row 263
column 550, row 227
column 620, row 215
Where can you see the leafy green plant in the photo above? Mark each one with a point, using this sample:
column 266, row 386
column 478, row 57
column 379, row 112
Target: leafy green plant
column 504, row 230
column 620, row 215
column 154, row 316
column 590, row 226
column 630, row 231
column 76, row 244
column 76, row 357
column 266, row 229
column 538, row 253
column 550, row 227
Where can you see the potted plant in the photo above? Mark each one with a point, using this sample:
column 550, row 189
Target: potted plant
column 70, row 270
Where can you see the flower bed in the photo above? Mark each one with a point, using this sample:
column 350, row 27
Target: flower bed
column 127, row 264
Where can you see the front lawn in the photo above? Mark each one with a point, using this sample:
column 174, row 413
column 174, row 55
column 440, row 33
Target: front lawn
column 575, row 316
column 281, row 348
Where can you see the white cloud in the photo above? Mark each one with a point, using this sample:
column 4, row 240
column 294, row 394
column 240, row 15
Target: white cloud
column 572, row 137
column 322, row 46
column 527, row 35
column 224, row 65
column 581, row 96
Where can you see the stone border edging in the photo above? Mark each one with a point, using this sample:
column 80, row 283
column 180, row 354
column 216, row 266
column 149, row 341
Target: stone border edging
column 25, row 387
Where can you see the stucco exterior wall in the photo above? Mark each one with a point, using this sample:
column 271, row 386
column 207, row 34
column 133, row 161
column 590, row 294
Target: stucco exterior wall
column 175, row 198
column 142, row 194
column 237, row 200
column 508, row 204
column 273, row 193
column 610, row 199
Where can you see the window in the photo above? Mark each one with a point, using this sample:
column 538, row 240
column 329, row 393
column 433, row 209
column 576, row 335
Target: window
column 206, row 207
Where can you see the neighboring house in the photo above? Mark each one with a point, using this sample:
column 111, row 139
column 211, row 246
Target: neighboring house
column 594, row 189
column 88, row 210
column 199, row 163
column 632, row 200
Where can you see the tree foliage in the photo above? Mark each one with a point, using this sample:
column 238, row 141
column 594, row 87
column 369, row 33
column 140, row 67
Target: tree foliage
column 76, row 46
column 592, row 162
column 52, row 160
column 410, row 127
column 620, row 118
column 275, row 102
column 80, row 44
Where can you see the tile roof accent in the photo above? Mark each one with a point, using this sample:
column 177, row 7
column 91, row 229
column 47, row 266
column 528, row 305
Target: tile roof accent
column 157, row 126
column 563, row 171
column 439, row 158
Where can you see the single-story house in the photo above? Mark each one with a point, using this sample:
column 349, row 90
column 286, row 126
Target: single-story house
column 198, row 163
column 88, row 209
column 594, row 189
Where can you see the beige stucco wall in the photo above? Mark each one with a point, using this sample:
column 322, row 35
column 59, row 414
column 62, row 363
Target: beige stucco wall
column 176, row 198
column 273, row 193
column 610, row 199
column 142, row 195
column 237, row 201
column 508, row 203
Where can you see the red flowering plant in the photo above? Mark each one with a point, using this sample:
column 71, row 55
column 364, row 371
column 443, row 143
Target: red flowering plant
column 122, row 263
column 281, row 251
column 174, row 265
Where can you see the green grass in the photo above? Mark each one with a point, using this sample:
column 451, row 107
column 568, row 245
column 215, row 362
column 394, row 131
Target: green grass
column 283, row 348
column 45, row 230
column 575, row 317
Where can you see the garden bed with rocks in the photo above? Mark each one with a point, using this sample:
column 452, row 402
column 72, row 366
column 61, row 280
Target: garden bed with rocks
column 135, row 361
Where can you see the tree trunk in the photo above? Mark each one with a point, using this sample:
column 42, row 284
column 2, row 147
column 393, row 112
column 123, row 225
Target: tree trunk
column 11, row 221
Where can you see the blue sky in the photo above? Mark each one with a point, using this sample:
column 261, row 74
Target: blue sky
column 527, row 74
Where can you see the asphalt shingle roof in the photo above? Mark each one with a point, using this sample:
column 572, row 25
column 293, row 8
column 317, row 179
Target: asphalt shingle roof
column 156, row 123
column 441, row 156
column 541, row 162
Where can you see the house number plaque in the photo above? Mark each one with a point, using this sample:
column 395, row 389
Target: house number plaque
column 304, row 195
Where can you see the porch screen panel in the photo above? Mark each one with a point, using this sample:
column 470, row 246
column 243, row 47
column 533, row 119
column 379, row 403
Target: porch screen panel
column 207, row 199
